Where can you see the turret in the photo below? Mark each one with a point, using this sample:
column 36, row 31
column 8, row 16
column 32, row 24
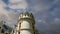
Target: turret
column 25, row 24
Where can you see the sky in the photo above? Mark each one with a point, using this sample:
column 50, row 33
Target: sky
column 46, row 13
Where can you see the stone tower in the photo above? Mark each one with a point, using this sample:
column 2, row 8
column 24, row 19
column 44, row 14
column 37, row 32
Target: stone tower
column 25, row 24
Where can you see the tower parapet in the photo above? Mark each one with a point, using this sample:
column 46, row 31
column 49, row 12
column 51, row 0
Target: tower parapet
column 26, row 16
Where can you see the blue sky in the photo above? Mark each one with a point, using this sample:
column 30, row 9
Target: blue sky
column 46, row 13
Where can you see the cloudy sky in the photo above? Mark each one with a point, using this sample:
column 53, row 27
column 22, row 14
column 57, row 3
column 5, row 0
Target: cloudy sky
column 46, row 13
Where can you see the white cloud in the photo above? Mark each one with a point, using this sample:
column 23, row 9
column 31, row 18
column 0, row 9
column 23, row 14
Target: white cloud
column 2, row 11
column 8, row 16
column 21, row 4
column 13, row 1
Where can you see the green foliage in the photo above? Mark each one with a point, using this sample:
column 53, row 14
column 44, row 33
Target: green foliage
column 3, row 29
column 36, row 31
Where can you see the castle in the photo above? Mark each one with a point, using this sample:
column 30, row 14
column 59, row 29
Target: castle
column 25, row 25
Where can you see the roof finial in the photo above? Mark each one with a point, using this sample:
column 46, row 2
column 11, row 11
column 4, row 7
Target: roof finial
column 25, row 11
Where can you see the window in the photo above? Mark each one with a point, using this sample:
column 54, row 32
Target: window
column 6, row 33
column 2, row 31
column 0, row 27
